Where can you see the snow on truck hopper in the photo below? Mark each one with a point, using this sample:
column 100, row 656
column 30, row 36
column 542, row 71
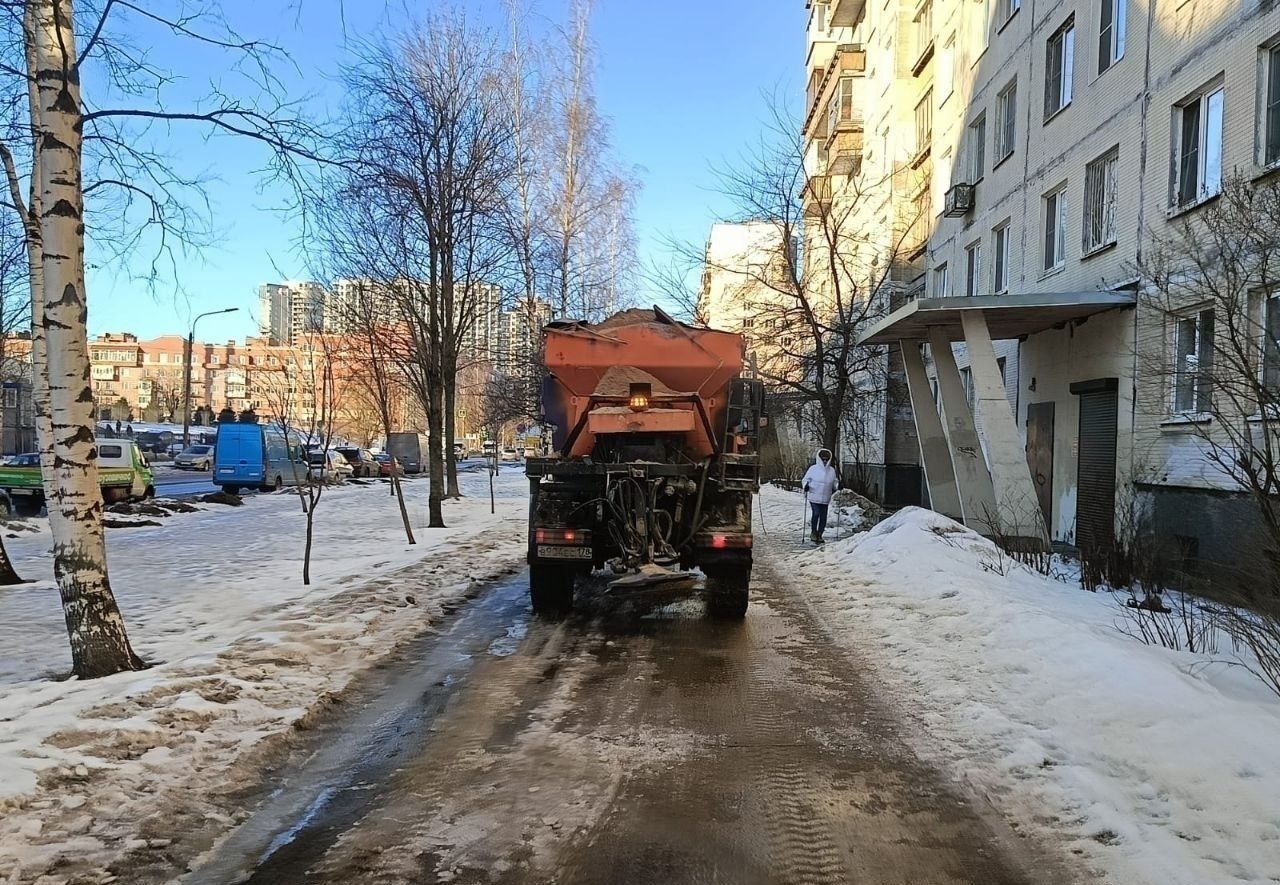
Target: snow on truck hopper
column 653, row 463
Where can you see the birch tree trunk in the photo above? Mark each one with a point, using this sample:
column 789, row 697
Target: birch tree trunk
column 99, row 642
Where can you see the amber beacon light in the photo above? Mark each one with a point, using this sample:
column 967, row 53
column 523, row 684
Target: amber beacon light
column 640, row 395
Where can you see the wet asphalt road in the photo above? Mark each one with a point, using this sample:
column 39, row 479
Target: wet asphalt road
column 616, row 749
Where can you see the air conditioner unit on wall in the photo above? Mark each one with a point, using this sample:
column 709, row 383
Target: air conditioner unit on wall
column 959, row 201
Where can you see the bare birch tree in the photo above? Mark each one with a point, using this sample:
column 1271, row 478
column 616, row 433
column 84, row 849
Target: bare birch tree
column 47, row 149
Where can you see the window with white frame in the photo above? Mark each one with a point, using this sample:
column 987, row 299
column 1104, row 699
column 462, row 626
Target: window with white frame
column 1006, row 121
column 973, row 269
column 1198, row 145
column 1000, row 261
column 947, row 69
column 1269, row 97
column 1006, row 8
column 941, row 282
column 1059, row 68
column 977, row 148
column 924, row 123
column 820, row 16
column 841, row 109
column 1055, row 228
column 980, row 23
column 1111, row 29
column 1193, row 362
column 924, row 28
column 1271, row 342
column 1100, row 201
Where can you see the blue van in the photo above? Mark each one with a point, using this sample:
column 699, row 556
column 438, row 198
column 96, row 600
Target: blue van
column 251, row 456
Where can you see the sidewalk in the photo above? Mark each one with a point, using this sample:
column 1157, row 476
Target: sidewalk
column 1152, row 766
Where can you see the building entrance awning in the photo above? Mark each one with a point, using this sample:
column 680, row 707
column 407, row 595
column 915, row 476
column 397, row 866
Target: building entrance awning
column 1007, row 316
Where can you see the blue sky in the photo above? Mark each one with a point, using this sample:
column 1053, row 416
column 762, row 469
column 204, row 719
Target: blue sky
column 682, row 81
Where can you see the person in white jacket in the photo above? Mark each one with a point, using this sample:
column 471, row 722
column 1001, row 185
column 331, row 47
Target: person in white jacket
column 819, row 485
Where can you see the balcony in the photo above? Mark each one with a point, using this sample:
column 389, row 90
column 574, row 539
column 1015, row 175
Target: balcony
column 848, row 62
column 847, row 13
column 817, row 196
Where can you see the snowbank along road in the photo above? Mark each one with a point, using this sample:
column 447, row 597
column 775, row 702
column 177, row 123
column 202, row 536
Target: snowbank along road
column 607, row 749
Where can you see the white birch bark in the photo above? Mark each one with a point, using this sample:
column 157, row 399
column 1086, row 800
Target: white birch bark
column 99, row 643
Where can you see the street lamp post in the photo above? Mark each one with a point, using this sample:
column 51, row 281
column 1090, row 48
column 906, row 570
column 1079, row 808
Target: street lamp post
column 186, row 379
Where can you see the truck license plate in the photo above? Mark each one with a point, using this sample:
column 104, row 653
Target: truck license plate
column 547, row 552
column 22, row 491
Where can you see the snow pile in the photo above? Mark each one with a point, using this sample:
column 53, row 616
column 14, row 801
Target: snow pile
column 243, row 653
column 1155, row 766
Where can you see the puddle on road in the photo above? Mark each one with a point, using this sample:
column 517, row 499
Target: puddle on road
column 505, row 646
column 389, row 720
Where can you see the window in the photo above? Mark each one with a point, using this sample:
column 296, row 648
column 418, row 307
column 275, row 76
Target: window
column 1059, row 68
column 924, row 30
column 973, row 270
column 840, row 110
column 1000, row 266
column 1006, row 8
column 966, row 384
column 941, row 283
column 11, row 397
column 1271, row 343
column 1100, row 201
column 1193, row 362
column 1055, row 228
column 1006, row 120
column 947, row 69
column 1270, row 92
column 1111, row 26
column 980, row 23
column 977, row 145
column 1198, row 169
column 820, row 16
column 924, row 123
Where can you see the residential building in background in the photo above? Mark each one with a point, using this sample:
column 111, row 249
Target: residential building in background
column 1053, row 144
column 744, row 269
column 290, row 310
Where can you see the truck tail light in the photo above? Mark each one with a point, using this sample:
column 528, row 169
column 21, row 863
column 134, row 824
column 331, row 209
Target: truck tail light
column 725, row 540
column 562, row 536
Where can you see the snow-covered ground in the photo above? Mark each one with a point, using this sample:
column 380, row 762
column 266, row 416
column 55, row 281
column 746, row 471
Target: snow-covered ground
column 242, row 651
column 1153, row 766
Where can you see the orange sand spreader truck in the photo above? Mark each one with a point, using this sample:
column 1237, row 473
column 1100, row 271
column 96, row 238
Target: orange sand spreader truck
column 653, row 464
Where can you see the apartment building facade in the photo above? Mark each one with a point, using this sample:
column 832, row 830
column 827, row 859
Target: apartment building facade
column 1059, row 139
column 289, row 310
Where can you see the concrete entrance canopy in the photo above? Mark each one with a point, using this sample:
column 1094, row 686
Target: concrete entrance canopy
column 990, row 485
column 1007, row 316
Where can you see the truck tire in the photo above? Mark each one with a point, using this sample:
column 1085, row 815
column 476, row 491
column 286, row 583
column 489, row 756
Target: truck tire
column 728, row 592
column 231, row 490
column 550, row 590
column 27, row 505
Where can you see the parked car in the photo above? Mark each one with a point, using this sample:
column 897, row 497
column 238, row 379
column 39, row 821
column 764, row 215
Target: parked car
column 328, row 465
column 194, row 458
column 510, row 455
column 387, row 463
column 362, row 462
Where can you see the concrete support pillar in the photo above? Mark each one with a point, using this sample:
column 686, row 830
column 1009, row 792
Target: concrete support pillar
column 1017, row 506
column 944, row 496
column 977, row 494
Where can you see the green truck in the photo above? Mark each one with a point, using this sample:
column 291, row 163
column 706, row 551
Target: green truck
column 123, row 474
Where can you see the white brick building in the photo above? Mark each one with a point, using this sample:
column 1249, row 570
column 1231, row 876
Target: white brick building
column 1056, row 139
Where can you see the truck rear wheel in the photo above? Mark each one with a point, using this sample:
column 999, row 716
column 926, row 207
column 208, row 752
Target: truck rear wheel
column 727, row 592
column 550, row 590
column 27, row 505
